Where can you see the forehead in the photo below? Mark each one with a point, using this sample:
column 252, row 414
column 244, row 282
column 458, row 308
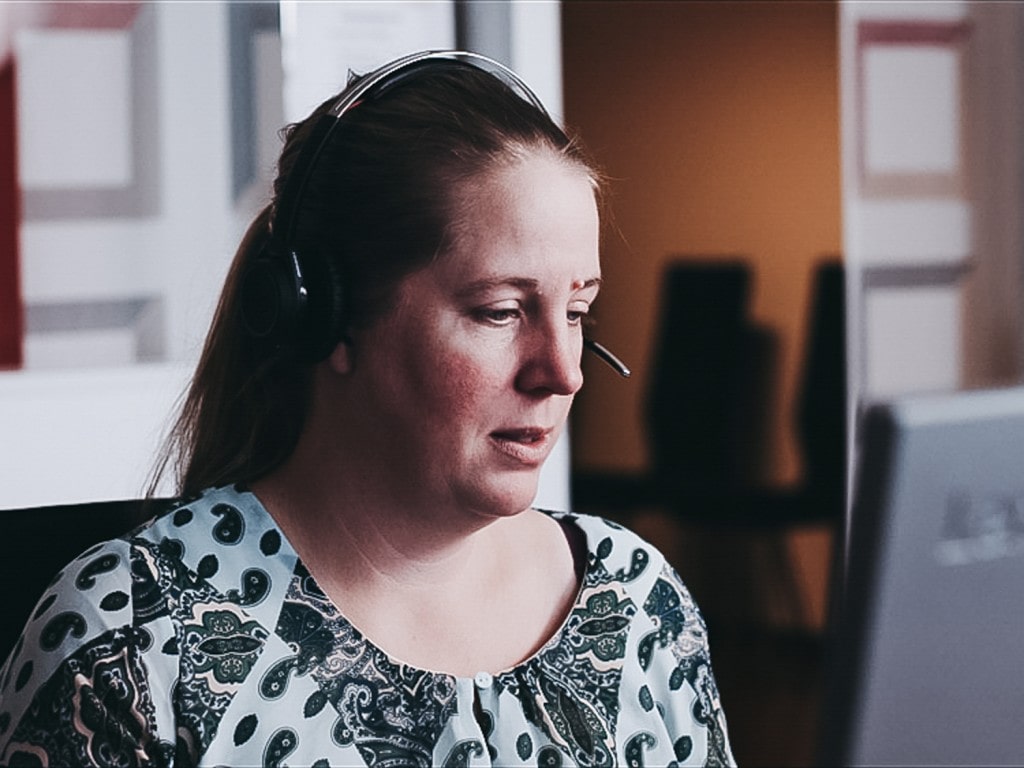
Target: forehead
column 537, row 213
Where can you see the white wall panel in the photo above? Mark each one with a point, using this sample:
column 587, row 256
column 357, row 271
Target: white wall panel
column 912, row 110
column 908, row 215
column 88, row 259
column 321, row 42
column 97, row 348
column 913, row 230
column 537, row 50
column 195, row 236
column 83, row 435
column 913, row 341
column 91, row 429
column 74, row 108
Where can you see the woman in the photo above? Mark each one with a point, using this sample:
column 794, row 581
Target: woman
column 357, row 577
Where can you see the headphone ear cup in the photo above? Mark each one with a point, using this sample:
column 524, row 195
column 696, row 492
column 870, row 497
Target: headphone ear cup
column 323, row 325
column 273, row 298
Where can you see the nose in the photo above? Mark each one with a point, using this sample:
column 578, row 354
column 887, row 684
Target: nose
column 551, row 361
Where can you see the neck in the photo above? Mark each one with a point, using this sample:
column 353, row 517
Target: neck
column 442, row 573
column 386, row 535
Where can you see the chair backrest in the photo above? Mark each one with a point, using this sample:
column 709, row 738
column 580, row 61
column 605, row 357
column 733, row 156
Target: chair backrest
column 713, row 374
column 40, row 541
column 706, row 356
column 821, row 402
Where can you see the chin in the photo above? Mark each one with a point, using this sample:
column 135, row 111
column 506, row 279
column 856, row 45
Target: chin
column 504, row 500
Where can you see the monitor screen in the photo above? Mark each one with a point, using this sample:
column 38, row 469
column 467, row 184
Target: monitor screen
column 927, row 659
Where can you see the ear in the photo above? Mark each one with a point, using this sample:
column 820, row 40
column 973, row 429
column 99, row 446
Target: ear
column 340, row 359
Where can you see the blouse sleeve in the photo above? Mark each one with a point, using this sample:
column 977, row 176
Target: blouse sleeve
column 75, row 689
column 681, row 681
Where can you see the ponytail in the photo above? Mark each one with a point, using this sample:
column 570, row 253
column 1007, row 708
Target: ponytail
column 244, row 411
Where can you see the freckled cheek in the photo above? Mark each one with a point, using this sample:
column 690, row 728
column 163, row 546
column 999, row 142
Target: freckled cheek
column 466, row 388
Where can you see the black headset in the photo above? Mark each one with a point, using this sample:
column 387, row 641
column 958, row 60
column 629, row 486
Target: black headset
column 290, row 301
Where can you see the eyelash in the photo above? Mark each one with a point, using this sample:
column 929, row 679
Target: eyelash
column 498, row 316
column 501, row 317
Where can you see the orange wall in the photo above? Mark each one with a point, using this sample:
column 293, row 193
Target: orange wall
column 718, row 125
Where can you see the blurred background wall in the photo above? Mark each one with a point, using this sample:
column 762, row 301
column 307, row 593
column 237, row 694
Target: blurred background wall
column 718, row 126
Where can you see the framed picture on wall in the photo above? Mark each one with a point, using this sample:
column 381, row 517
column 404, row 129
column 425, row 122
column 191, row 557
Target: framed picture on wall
column 910, row 87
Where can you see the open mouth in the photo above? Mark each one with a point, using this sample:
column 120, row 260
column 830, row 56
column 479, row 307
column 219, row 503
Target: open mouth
column 527, row 445
column 527, row 435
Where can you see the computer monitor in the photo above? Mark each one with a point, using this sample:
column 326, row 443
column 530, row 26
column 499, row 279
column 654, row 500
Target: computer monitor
column 927, row 659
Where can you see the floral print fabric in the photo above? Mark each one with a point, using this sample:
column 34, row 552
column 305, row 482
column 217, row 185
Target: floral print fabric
column 201, row 639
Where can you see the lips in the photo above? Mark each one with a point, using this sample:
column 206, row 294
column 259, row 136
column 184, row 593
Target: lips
column 525, row 445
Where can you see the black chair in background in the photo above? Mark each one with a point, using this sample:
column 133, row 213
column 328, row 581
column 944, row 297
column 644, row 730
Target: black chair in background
column 40, row 541
column 710, row 380
column 711, row 370
column 711, row 389
column 821, row 403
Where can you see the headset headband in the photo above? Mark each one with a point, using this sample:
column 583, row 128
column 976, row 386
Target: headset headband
column 387, row 76
column 389, row 72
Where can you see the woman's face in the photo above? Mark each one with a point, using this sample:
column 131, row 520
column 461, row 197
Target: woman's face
column 465, row 385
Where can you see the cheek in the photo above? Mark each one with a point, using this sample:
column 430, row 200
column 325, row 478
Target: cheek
column 439, row 373
column 465, row 384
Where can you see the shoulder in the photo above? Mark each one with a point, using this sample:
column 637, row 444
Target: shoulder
column 125, row 582
column 91, row 592
column 224, row 515
column 117, row 614
column 88, row 601
column 616, row 554
column 669, row 662
column 101, row 588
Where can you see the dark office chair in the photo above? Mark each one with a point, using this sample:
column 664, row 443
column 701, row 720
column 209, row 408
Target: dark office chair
column 40, row 541
column 821, row 403
column 711, row 386
column 709, row 381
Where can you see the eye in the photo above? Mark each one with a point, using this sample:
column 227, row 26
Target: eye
column 500, row 315
column 578, row 315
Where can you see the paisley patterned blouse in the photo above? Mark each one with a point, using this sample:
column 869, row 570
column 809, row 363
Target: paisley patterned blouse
column 201, row 639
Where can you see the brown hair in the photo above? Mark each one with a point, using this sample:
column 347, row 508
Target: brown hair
column 378, row 204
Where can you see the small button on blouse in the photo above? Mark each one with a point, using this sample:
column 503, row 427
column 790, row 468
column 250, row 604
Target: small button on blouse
column 483, row 680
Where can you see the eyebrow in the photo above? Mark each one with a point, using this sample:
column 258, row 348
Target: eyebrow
column 523, row 283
